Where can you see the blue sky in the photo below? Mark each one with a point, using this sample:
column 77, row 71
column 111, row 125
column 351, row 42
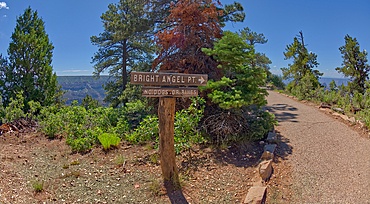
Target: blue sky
column 71, row 23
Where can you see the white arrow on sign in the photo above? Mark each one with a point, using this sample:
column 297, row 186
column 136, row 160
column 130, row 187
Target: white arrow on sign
column 201, row 80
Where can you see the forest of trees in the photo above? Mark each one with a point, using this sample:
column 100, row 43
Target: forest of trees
column 187, row 36
column 352, row 99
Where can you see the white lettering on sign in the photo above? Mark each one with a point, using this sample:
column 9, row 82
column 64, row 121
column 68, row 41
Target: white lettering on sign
column 159, row 92
column 149, row 78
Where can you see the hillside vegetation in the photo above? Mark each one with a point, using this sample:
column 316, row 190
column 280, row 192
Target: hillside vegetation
column 154, row 36
column 73, row 107
column 352, row 97
column 78, row 87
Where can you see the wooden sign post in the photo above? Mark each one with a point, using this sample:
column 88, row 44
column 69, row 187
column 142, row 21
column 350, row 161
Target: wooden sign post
column 172, row 85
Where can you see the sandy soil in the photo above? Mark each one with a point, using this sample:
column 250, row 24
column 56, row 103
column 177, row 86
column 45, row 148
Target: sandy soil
column 126, row 174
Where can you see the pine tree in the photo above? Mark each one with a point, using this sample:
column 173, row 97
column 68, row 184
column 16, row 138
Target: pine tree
column 354, row 64
column 195, row 27
column 125, row 45
column 241, row 83
column 3, row 72
column 238, row 94
column 260, row 59
column 232, row 12
column 304, row 62
column 29, row 69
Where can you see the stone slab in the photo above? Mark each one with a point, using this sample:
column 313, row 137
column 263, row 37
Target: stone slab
column 329, row 111
column 268, row 152
column 271, row 137
column 265, row 169
column 336, row 114
column 352, row 120
column 344, row 117
column 256, row 195
column 360, row 123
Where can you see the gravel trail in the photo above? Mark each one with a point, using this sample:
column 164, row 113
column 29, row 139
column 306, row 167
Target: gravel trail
column 331, row 162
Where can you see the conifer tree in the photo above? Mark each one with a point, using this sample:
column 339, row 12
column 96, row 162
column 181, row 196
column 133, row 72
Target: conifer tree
column 304, row 62
column 3, row 72
column 195, row 27
column 354, row 64
column 305, row 78
column 29, row 69
column 241, row 83
column 260, row 59
column 125, row 45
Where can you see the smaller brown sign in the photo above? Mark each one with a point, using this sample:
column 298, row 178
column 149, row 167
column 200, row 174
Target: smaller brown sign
column 169, row 91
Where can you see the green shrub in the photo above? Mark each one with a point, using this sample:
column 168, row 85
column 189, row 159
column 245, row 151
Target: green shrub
column 365, row 117
column 107, row 140
column 122, row 128
column 80, row 126
column 260, row 125
column 277, row 81
column 235, row 126
column 90, row 103
column 52, row 122
column 186, row 125
column 80, row 144
column 289, row 87
column 134, row 112
column 186, row 130
column 34, row 107
column 148, row 129
column 14, row 111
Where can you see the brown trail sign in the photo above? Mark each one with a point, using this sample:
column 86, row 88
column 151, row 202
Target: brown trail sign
column 169, row 91
column 166, row 109
column 168, row 79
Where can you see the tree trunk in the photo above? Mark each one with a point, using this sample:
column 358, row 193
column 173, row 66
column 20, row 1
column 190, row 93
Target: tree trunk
column 124, row 65
column 166, row 113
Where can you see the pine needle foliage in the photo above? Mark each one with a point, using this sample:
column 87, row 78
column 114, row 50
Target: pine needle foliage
column 29, row 64
column 354, row 64
column 241, row 83
column 196, row 26
column 124, row 46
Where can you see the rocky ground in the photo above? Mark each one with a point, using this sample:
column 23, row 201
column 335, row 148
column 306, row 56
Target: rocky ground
column 35, row 169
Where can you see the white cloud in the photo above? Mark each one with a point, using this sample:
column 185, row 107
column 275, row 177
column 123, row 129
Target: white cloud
column 274, row 65
column 4, row 16
column 276, row 71
column 3, row 5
